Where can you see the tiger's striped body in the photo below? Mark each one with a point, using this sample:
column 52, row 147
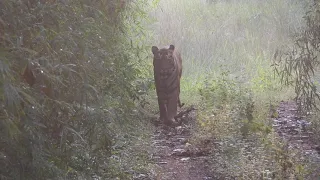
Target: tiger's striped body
column 167, row 64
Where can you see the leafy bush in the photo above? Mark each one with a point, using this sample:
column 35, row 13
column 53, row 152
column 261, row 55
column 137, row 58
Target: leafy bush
column 227, row 106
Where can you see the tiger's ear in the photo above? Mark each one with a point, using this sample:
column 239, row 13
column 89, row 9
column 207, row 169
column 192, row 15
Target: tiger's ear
column 154, row 49
column 171, row 47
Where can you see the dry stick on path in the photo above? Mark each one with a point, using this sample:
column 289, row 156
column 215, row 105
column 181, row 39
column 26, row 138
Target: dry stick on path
column 187, row 111
column 182, row 113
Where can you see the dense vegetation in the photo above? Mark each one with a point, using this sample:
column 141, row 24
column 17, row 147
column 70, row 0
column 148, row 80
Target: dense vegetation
column 68, row 72
column 77, row 89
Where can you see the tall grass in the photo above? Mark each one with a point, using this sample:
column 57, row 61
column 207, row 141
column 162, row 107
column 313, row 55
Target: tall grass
column 240, row 35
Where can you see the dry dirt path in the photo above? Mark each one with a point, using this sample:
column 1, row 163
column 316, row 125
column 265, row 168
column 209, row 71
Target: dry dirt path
column 293, row 129
column 176, row 157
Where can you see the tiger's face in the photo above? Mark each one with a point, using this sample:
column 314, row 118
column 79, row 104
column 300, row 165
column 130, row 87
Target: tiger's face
column 163, row 58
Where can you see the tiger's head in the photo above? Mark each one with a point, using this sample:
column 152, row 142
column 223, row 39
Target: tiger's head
column 163, row 58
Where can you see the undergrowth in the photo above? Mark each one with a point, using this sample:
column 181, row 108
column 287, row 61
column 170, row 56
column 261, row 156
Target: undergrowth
column 248, row 148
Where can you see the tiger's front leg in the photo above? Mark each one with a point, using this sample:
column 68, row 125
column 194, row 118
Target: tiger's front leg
column 163, row 111
column 172, row 108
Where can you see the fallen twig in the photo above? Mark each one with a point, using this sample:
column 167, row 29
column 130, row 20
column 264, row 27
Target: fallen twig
column 187, row 111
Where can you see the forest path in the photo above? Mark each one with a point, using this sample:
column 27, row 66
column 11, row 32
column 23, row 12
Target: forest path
column 294, row 130
column 176, row 158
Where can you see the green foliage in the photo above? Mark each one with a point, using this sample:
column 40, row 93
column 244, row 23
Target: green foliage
column 248, row 148
column 219, row 91
column 68, row 73
column 264, row 81
column 298, row 66
column 227, row 107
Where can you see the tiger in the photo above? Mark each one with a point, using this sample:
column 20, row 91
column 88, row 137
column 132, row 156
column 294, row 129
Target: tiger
column 167, row 63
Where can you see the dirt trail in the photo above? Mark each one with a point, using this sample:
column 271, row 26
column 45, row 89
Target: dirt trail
column 293, row 129
column 177, row 159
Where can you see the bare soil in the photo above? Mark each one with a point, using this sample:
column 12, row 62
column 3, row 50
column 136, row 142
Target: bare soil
column 178, row 159
column 294, row 130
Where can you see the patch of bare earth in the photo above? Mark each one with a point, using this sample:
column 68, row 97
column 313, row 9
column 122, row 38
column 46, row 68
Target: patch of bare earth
column 175, row 157
column 293, row 129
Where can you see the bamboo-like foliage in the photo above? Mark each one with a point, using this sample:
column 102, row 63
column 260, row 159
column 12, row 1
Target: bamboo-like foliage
column 298, row 66
column 65, row 74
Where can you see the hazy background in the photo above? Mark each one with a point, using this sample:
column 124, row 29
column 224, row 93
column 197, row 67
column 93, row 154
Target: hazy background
column 240, row 36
